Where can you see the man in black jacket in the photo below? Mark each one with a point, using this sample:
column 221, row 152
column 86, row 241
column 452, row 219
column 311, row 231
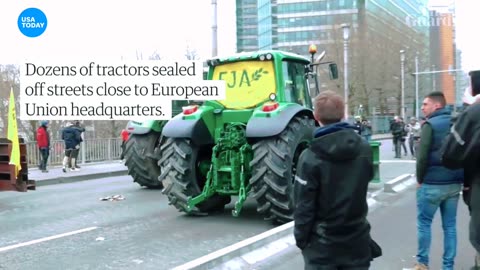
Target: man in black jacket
column 331, row 183
column 72, row 138
column 77, row 151
column 397, row 128
column 461, row 149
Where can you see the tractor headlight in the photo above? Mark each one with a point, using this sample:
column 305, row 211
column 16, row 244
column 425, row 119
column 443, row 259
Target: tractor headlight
column 262, row 57
column 269, row 56
column 272, row 96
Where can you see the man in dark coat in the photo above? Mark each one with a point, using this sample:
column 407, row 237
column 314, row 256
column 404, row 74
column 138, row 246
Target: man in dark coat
column 330, row 192
column 461, row 149
column 72, row 138
column 77, row 151
column 397, row 128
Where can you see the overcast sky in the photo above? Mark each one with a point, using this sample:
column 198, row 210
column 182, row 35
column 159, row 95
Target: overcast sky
column 116, row 29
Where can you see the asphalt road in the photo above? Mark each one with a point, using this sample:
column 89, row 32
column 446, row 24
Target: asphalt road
column 140, row 232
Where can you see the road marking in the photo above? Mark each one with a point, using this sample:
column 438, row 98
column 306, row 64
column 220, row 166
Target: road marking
column 46, row 239
column 397, row 161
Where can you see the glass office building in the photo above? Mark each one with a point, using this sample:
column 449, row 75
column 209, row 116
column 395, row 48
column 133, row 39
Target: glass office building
column 379, row 30
column 289, row 24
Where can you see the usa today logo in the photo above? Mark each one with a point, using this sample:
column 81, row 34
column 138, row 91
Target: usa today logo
column 32, row 22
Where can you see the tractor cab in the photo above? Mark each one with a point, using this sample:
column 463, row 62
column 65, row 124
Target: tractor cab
column 258, row 77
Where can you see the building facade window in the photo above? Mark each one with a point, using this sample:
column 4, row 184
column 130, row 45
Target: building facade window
column 264, row 24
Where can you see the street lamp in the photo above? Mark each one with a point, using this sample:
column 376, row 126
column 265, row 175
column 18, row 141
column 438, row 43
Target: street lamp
column 402, row 60
column 346, row 36
column 416, row 86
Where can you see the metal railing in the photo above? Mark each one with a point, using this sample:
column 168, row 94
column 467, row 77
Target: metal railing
column 91, row 150
column 380, row 124
column 98, row 150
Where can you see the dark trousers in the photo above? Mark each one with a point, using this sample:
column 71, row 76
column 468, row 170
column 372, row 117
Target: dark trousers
column 122, row 155
column 44, row 153
column 315, row 259
column 404, row 146
column 312, row 265
column 74, row 155
column 397, row 144
column 71, row 153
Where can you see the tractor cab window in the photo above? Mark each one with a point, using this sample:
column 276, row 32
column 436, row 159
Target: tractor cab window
column 295, row 83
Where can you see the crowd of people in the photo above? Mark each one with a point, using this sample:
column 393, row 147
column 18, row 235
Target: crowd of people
column 402, row 132
column 333, row 173
column 72, row 135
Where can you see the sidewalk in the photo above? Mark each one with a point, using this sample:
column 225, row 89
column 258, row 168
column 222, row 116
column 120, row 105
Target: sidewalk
column 87, row 171
column 92, row 171
column 379, row 137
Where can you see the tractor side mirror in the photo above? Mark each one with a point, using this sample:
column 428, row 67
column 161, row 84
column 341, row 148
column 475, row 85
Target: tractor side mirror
column 333, row 70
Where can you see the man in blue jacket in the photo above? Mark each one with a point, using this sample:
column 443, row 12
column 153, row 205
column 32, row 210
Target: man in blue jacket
column 438, row 187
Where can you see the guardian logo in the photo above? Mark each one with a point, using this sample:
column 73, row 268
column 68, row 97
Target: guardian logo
column 32, row 22
column 433, row 20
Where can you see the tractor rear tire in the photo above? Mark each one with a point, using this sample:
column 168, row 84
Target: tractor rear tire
column 181, row 176
column 273, row 169
column 141, row 159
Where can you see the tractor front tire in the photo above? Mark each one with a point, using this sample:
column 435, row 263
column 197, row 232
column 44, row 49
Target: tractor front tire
column 181, row 176
column 141, row 160
column 273, row 169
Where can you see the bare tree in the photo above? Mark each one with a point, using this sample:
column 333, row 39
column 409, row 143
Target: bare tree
column 191, row 54
column 374, row 61
column 9, row 79
column 155, row 56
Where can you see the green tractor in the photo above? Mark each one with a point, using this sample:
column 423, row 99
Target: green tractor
column 141, row 151
column 247, row 144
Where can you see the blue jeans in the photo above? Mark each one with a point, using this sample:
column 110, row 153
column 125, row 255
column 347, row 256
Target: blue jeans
column 429, row 199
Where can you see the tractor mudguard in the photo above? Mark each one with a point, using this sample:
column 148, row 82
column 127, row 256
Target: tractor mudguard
column 275, row 122
column 135, row 127
column 194, row 129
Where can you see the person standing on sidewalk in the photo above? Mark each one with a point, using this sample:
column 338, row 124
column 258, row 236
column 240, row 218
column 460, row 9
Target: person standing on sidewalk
column 72, row 138
column 330, row 193
column 413, row 129
column 43, row 143
column 366, row 130
column 461, row 150
column 77, row 151
column 438, row 187
column 398, row 130
column 404, row 136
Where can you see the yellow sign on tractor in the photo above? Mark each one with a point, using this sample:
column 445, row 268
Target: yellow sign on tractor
column 249, row 83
